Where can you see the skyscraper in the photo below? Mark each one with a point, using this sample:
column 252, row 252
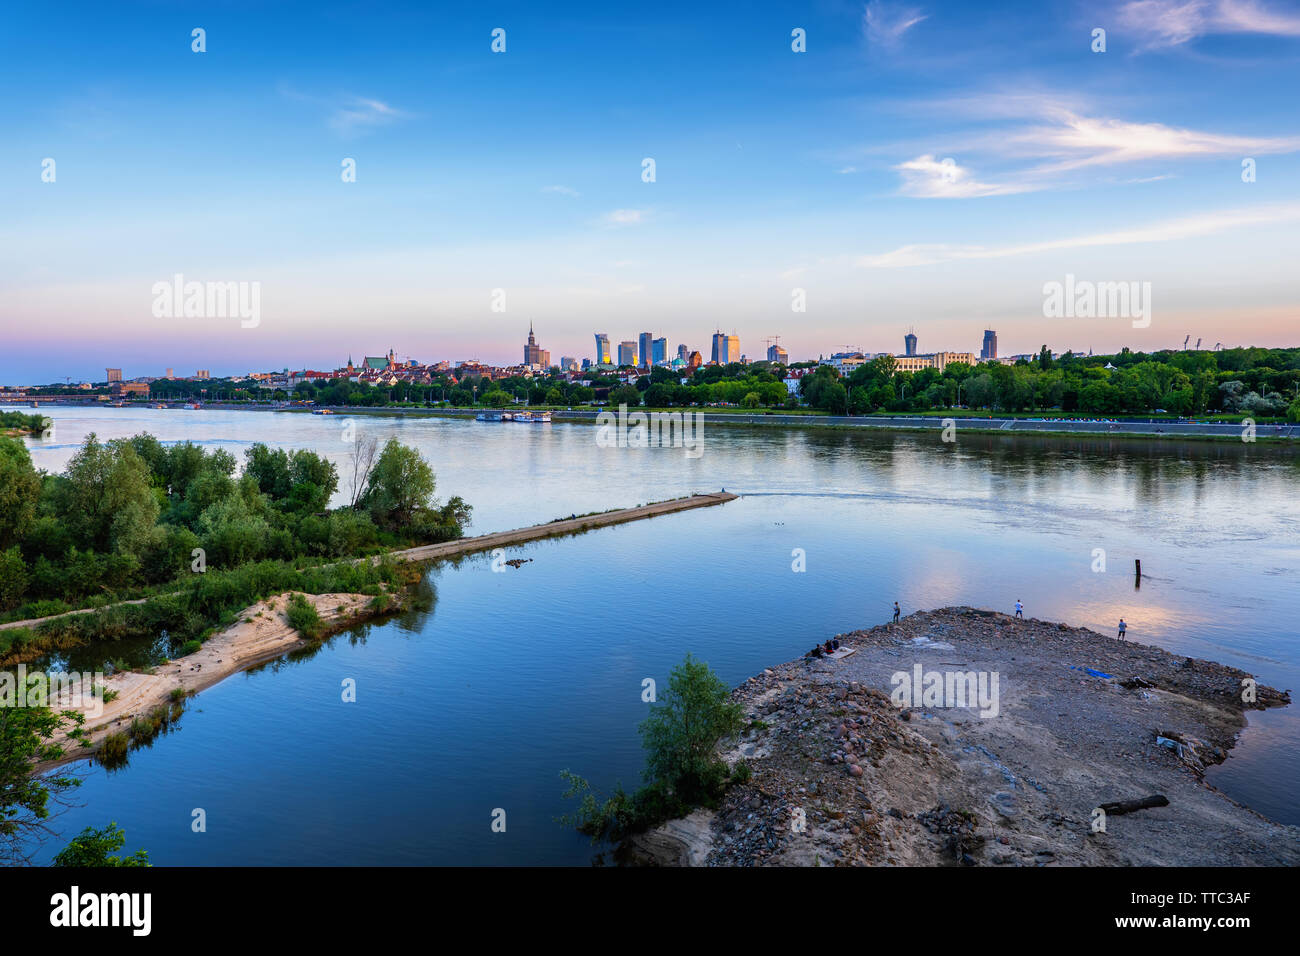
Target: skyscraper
column 114, row 375
column 989, row 350
column 777, row 354
column 731, row 349
column 659, row 355
column 909, row 343
column 626, row 353
column 602, row 348
column 533, row 354
column 645, row 347
column 726, row 348
column 683, row 352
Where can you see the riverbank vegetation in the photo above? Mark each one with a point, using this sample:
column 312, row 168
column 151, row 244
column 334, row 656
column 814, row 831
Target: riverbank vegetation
column 13, row 424
column 186, row 529
column 683, row 769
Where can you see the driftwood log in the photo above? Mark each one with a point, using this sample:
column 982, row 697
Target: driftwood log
column 1128, row 806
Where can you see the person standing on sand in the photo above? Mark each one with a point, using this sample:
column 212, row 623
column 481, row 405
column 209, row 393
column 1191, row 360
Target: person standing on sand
column 1020, row 609
column 896, row 612
column 1123, row 628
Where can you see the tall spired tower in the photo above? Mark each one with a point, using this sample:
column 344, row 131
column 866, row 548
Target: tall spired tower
column 532, row 351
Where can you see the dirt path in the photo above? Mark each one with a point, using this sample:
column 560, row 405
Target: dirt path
column 564, row 526
column 879, row 783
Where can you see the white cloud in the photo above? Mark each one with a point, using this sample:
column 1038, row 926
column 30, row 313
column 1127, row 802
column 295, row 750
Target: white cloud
column 362, row 113
column 1089, row 141
column 1171, row 23
column 884, row 23
column 928, row 178
column 625, row 217
column 1168, row 231
column 562, row 190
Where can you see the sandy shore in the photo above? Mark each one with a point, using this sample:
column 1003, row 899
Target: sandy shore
column 876, row 783
column 262, row 633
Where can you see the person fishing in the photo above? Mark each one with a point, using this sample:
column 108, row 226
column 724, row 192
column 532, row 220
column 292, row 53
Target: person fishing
column 1123, row 629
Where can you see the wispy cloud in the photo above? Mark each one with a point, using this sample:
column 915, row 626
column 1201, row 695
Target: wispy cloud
column 562, row 190
column 1168, row 231
column 885, row 23
column 359, row 113
column 1171, row 23
column 1090, row 141
column 625, row 217
column 928, row 178
column 1055, row 138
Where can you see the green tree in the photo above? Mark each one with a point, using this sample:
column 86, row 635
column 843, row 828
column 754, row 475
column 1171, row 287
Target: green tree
column 401, row 484
column 94, row 847
column 13, row 578
column 27, row 737
column 109, row 503
column 20, row 490
column 681, row 734
column 625, row 395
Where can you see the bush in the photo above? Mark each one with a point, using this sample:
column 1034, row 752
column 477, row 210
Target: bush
column 302, row 617
column 683, row 769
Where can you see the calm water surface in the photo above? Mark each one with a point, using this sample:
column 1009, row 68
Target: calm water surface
column 476, row 700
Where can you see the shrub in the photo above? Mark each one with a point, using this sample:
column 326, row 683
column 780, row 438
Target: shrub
column 302, row 616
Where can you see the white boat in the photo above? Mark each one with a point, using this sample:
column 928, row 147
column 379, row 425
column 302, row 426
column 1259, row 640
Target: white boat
column 542, row 418
column 493, row 416
column 322, row 411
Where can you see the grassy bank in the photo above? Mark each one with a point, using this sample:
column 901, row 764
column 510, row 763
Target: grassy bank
column 203, row 605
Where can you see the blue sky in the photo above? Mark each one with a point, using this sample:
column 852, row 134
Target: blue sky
column 926, row 165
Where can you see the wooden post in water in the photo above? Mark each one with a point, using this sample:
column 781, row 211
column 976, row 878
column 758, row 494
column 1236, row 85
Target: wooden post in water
column 1137, row 573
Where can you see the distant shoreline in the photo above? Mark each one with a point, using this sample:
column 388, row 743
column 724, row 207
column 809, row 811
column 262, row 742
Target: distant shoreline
column 1162, row 430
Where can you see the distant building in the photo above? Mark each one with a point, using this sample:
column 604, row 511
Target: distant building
column 122, row 389
column 989, row 350
column 939, row 360
column 726, row 348
column 534, row 355
column 659, row 351
column 626, row 353
column 683, row 353
column 909, row 344
column 602, row 349
column 645, row 347
column 777, row 354
column 202, row 375
column 568, row 363
column 114, row 375
column 695, row 361
column 171, row 373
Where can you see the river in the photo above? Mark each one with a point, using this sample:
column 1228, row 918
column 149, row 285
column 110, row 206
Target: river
column 473, row 703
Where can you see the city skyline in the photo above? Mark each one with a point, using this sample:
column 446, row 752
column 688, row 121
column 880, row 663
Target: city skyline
column 896, row 173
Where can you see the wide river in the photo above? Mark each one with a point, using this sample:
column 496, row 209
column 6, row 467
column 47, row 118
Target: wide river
column 475, row 703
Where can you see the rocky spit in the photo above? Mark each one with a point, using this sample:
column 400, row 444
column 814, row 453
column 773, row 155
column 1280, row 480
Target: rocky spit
column 843, row 775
